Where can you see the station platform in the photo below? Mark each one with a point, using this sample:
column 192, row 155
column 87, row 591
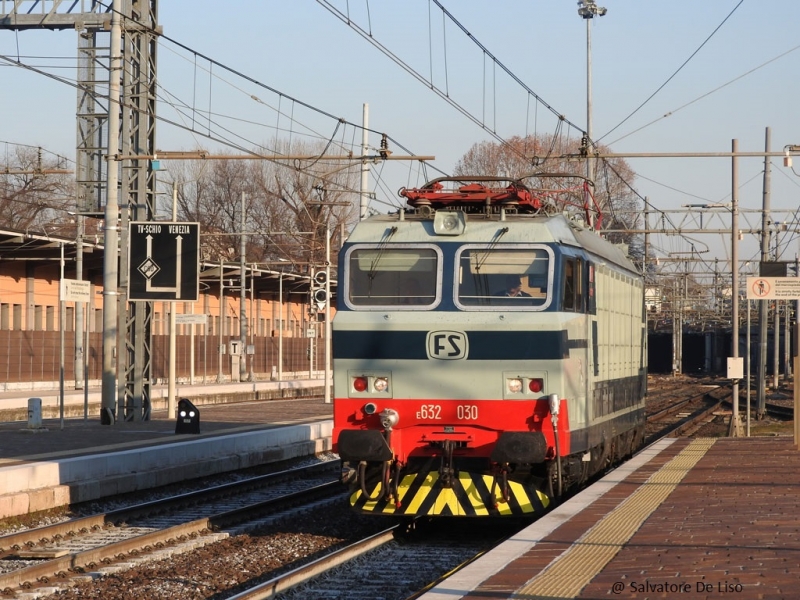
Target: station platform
column 685, row 518
column 77, row 460
column 86, row 402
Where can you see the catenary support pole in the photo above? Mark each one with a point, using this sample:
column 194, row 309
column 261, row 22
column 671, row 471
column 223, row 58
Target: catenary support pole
column 328, row 306
column 111, row 227
column 735, row 281
column 62, row 314
column 364, row 204
column 79, row 306
column 243, row 324
column 763, row 305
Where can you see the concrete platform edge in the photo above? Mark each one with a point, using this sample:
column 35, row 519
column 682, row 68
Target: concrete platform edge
column 48, row 484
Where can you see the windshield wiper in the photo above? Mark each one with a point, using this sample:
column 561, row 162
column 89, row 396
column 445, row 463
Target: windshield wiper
column 381, row 249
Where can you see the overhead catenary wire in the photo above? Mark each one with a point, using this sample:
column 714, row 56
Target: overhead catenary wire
column 444, row 94
column 208, row 134
column 671, row 77
column 705, row 95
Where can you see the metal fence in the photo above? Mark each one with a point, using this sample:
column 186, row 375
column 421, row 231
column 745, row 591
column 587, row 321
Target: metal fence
column 35, row 357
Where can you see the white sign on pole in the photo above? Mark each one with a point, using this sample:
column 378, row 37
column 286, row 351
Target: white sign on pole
column 773, row 288
column 735, row 367
column 235, row 347
column 76, row 290
column 189, row 319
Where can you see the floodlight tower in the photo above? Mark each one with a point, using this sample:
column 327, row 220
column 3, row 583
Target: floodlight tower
column 588, row 10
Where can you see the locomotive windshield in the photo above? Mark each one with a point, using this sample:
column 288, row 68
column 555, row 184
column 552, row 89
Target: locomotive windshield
column 393, row 276
column 496, row 276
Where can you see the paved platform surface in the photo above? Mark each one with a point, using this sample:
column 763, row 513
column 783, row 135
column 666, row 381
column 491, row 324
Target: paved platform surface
column 14, row 404
column 79, row 436
column 704, row 518
column 77, row 460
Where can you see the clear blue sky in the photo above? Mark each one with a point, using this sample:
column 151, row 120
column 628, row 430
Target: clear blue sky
column 302, row 50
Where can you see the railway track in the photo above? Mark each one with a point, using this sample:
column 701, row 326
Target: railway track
column 387, row 565
column 101, row 543
column 685, row 415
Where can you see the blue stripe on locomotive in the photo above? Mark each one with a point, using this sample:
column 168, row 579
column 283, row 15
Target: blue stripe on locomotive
column 483, row 345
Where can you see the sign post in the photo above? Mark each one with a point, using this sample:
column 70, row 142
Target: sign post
column 192, row 320
column 780, row 288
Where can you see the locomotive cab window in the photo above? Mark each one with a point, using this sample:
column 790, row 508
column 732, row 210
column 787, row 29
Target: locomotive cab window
column 495, row 276
column 405, row 278
column 573, row 285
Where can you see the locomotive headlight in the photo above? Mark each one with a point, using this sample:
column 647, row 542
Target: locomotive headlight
column 381, row 384
column 514, row 385
column 449, row 222
column 370, row 408
column 389, row 418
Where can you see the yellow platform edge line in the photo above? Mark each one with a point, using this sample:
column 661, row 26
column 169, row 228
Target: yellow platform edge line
column 570, row 572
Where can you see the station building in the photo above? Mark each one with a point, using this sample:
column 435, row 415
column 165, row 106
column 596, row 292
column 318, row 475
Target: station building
column 281, row 322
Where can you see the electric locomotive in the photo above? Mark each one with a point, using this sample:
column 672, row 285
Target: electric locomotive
column 488, row 355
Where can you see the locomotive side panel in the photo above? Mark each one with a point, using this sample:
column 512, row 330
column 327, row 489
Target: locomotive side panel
column 617, row 363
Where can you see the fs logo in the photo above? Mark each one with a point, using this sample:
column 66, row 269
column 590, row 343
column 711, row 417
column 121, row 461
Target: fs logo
column 447, row 345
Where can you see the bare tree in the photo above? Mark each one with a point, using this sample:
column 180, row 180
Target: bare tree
column 519, row 157
column 313, row 197
column 30, row 193
column 288, row 205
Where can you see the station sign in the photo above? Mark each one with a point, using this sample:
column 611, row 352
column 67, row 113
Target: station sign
column 189, row 319
column 164, row 261
column 75, row 290
column 773, row 288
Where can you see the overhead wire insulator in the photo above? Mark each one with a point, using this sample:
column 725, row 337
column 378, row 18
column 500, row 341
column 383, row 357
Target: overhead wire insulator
column 384, row 151
column 584, row 144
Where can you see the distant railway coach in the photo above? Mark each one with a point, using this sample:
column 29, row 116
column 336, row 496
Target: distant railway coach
column 488, row 356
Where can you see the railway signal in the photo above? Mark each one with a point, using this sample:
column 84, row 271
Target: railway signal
column 188, row 417
column 319, row 293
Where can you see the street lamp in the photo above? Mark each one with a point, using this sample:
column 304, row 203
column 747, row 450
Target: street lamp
column 588, row 9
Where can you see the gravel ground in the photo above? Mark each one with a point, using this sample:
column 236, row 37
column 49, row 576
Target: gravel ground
column 225, row 568
column 58, row 515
